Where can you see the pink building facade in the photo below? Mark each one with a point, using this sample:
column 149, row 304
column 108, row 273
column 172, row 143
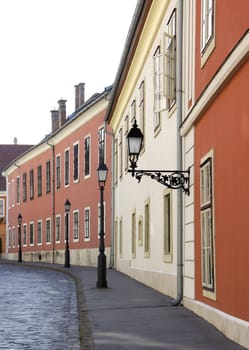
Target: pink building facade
column 62, row 166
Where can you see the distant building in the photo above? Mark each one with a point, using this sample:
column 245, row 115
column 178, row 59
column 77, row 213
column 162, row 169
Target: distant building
column 62, row 166
column 8, row 154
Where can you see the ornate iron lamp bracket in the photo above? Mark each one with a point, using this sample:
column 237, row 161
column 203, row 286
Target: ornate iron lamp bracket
column 170, row 178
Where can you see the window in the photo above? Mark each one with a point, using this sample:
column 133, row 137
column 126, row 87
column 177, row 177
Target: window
column 207, row 244
column 18, row 189
column 87, row 224
column 66, row 178
column 58, row 229
column 48, row 176
column 13, row 193
column 147, row 229
column 116, row 161
column 48, row 231
column 133, row 111
column 76, row 162
column 101, row 145
column 207, row 23
column 87, row 155
column 39, row 232
column 126, row 130
column 1, row 207
column 140, row 230
column 24, row 187
column 31, row 233
column 76, row 225
column 170, row 60
column 10, row 238
column 25, row 234
column 157, row 88
column 167, row 239
column 13, row 236
column 133, row 234
column 31, row 183
column 120, row 146
column 58, row 171
column 121, row 238
column 141, row 107
column 39, row 181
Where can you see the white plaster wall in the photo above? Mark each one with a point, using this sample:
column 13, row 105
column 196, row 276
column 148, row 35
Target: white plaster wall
column 160, row 153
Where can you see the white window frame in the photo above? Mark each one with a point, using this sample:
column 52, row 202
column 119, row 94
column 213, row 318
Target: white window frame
column 87, row 226
column 39, row 232
column 170, row 61
column 87, row 137
column 48, row 233
column 167, row 227
column 2, row 208
column 67, row 168
column 207, row 23
column 58, row 171
column 76, row 225
column 133, row 234
column 57, row 228
column 207, row 31
column 207, row 226
column 32, row 224
column 76, row 163
column 25, row 231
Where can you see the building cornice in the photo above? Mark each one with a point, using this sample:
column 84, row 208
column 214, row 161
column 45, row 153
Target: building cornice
column 71, row 125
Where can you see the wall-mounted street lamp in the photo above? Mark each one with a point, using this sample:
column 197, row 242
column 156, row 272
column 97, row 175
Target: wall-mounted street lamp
column 67, row 205
column 19, row 219
column 170, row 178
column 101, row 281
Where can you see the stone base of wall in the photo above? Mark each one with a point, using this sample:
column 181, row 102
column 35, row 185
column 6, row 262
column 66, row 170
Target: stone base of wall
column 234, row 328
column 161, row 281
column 81, row 257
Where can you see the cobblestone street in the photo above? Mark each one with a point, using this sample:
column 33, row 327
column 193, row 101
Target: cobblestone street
column 38, row 309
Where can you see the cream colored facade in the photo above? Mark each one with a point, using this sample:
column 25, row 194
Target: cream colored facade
column 151, row 266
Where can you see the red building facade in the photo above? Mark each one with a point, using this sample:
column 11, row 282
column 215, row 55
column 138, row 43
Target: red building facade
column 62, row 166
column 219, row 121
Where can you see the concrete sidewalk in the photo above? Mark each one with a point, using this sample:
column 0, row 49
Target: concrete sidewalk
column 130, row 315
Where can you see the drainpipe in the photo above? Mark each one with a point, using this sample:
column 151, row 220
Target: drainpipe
column 53, row 201
column 112, row 200
column 179, row 92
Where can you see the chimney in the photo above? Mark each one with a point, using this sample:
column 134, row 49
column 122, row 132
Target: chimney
column 77, row 100
column 62, row 112
column 55, row 119
column 79, row 95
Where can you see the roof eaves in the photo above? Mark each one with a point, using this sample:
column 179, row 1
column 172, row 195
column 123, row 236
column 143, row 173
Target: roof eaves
column 134, row 32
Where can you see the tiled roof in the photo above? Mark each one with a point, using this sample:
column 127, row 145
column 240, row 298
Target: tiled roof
column 8, row 153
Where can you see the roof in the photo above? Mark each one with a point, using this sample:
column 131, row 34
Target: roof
column 9, row 153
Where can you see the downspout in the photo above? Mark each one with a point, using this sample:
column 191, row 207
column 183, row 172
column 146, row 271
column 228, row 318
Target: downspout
column 112, row 262
column 179, row 92
column 53, row 200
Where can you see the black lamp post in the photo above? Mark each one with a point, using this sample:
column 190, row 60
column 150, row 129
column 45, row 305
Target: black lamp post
column 170, row 178
column 19, row 219
column 67, row 252
column 101, row 281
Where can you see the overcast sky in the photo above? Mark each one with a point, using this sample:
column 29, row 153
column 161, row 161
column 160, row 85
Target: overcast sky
column 47, row 47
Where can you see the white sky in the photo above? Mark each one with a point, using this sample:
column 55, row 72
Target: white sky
column 47, row 47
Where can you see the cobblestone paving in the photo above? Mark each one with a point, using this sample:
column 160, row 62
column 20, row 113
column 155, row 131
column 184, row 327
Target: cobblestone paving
column 38, row 310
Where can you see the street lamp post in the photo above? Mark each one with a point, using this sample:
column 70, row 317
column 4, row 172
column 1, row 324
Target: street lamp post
column 19, row 219
column 101, row 281
column 174, row 179
column 67, row 252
